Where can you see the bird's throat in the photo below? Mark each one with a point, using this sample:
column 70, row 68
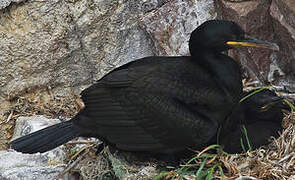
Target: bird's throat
column 224, row 70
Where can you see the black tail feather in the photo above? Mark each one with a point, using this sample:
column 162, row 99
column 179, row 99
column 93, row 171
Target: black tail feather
column 46, row 139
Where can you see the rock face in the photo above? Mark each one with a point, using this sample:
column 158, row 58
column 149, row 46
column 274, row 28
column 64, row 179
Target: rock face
column 66, row 43
column 283, row 15
column 27, row 166
column 72, row 43
column 254, row 18
column 266, row 20
column 171, row 25
column 60, row 44
column 5, row 3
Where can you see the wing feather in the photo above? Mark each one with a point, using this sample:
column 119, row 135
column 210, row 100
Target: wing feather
column 127, row 108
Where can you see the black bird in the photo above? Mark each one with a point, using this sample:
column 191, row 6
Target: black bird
column 261, row 114
column 159, row 104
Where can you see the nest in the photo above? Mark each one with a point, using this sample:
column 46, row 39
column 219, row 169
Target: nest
column 275, row 161
column 37, row 102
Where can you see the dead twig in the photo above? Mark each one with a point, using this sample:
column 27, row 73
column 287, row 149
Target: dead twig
column 73, row 164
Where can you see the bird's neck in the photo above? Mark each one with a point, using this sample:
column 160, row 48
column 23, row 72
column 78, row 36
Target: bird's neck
column 223, row 69
column 217, row 64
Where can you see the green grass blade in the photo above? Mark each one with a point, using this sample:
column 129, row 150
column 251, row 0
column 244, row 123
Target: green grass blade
column 221, row 172
column 201, row 167
column 202, row 174
column 160, row 176
column 242, row 144
column 213, row 146
column 254, row 92
column 244, row 130
column 289, row 104
column 211, row 171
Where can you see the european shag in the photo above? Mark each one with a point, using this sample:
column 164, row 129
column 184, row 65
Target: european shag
column 260, row 114
column 159, row 104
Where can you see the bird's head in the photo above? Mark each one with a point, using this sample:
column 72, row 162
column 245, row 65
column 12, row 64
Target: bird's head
column 263, row 100
column 219, row 35
column 264, row 105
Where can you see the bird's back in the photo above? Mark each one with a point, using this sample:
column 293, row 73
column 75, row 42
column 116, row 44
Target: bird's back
column 154, row 104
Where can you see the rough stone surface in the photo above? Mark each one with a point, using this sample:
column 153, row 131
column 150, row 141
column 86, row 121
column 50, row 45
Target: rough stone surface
column 267, row 20
column 48, row 165
column 5, row 3
column 66, row 43
column 63, row 44
column 170, row 26
column 253, row 16
column 20, row 166
column 283, row 14
column 26, row 125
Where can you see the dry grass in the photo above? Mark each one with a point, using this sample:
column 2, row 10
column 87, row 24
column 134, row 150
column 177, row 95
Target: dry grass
column 37, row 102
column 276, row 161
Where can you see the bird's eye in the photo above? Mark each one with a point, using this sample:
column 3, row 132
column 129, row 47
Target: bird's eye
column 265, row 107
column 234, row 38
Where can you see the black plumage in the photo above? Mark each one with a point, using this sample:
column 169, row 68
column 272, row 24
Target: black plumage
column 260, row 114
column 159, row 104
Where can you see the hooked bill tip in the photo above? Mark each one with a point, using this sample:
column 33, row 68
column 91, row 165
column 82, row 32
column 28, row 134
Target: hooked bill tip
column 275, row 47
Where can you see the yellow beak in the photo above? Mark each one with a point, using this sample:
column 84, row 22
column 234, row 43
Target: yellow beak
column 251, row 42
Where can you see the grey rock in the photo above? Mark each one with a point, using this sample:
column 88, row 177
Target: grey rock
column 170, row 25
column 67, row 43
column 48, row 165
column 5, row 3
column 253, row 16
column 20, row 166
column 283, row 14
column 148, row 5
column 27, row 125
